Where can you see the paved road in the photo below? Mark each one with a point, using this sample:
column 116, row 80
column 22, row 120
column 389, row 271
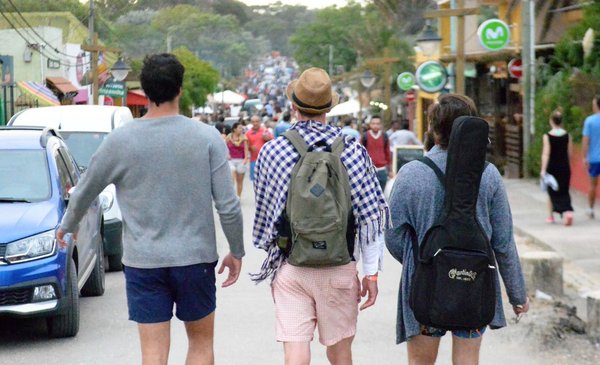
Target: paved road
column 244, row 328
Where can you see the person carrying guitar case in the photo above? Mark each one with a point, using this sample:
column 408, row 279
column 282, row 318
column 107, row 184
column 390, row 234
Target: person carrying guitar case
column 453, row 235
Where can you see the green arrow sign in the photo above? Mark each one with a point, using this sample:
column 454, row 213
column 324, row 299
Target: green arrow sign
column 405, row 81
column 494, row 34
column 431, row 76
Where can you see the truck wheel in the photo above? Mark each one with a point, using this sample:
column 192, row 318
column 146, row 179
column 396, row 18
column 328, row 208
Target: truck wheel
column 95, row 284
column 67, row 324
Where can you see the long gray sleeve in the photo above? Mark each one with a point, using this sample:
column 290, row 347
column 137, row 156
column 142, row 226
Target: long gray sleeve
column 167, row 174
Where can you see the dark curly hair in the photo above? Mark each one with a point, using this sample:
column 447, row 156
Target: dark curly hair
column 442, row 114
column 162, row 77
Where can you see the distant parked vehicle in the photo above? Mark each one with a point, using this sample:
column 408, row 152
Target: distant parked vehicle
column 83, row 128
column 37, row 277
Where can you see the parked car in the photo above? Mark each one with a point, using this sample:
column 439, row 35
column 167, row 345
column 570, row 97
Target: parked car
column 252, row 106
column 83, row 128
column 37, row 277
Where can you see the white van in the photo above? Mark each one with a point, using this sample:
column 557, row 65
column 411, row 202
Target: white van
column 84, row 127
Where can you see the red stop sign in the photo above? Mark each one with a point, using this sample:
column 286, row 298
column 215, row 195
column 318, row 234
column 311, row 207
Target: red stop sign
column 515, row 68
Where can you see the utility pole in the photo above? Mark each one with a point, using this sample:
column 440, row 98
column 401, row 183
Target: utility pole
column 94, row 48
column 386, row 61
column 460, row 12
column 528, row 56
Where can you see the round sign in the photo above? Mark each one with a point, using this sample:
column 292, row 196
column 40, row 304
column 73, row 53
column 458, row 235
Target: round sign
column 431, row 76
column 494, row 34
column 405, row 81
column 515, row 68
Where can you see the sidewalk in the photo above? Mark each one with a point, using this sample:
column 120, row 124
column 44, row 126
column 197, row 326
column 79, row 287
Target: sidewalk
column 578, row 244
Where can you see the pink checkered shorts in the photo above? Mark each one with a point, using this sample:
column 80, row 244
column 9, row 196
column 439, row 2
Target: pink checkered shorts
column 307, row 297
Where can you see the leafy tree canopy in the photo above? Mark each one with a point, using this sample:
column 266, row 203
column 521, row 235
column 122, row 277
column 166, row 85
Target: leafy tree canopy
column 200, row 79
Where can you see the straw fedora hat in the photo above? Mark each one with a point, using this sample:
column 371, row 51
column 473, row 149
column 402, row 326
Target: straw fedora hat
column 311, row 93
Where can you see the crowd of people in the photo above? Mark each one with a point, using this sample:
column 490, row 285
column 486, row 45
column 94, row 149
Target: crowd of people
column 171, row 262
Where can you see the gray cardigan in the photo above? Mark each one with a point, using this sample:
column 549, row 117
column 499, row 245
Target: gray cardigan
column 167, row 173
column 417, row 198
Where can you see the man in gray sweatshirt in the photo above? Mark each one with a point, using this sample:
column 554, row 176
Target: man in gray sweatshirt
column 168, row 170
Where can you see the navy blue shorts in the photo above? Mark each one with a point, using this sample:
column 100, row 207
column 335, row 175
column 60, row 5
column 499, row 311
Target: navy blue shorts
column 594, row 169
column 151, row 293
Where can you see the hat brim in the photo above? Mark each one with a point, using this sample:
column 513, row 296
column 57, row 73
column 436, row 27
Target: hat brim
column 290, row 89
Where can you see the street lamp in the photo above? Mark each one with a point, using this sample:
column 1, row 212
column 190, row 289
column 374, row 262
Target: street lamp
column 429, row 41
column 120, row 70
column 367, row 79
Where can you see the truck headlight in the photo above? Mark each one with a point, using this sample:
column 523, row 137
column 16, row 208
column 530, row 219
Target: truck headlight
column 31, row 248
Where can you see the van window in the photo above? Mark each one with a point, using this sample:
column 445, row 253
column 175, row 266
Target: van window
column 83, row 145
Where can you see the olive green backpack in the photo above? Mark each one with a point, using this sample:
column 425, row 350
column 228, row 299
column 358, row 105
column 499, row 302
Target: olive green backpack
column 318, row 207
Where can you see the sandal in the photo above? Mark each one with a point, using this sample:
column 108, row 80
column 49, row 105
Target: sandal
column 550, row 219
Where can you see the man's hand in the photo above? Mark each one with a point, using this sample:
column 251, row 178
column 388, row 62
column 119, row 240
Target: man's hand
column 368, row 287
column 234, row 265
column 60, row 237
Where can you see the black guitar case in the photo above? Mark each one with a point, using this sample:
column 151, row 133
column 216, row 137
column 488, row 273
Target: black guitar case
column 454, row 286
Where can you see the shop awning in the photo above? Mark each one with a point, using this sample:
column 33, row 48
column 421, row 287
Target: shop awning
column 38, row 91
column 136, row 98
column 81, row 97
column 60, row 85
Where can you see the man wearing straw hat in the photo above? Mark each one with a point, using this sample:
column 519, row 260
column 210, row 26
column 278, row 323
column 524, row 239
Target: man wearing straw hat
column 324, row 297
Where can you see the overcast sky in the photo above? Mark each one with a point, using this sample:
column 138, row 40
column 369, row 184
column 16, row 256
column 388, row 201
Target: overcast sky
column 307, row 3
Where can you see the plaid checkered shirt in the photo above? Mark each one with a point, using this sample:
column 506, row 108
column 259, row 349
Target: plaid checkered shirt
column 272, row 176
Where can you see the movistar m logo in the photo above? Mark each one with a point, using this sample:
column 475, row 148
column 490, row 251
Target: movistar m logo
column 494, row 33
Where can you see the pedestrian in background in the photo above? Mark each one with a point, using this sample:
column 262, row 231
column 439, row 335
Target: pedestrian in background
column 168, row 171
column 284, row 124
column 257, row 136
column 349, row 129
column 402, row 136
column 325, row 297
column 591, row 151
column 239, row 154
column 556, row 161
column 377, row 144
column 416, row 200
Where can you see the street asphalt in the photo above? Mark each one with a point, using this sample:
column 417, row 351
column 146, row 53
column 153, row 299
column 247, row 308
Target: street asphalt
column 245, row 322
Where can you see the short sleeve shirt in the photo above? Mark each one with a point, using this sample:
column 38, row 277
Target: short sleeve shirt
column 591, row 129
column 256, row 141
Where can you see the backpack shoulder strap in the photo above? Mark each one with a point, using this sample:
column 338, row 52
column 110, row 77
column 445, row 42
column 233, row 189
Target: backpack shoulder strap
column 297, row 141
column 438, row 172
column 337, row 147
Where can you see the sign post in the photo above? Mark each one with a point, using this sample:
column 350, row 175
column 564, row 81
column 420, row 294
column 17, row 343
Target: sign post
column 406, row 81
column 431, row 76
column 515, row 68
column 494, row 34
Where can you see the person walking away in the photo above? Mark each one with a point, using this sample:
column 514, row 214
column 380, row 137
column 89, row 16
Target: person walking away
column 257, row 136
column 284, row 124
column 416, row 200
column 166, row 189
column 349, row 130
column 556, row 161
column 403, row 137
column 377, row 144
column 325, row 297
column 591, row 151
column 239, row 155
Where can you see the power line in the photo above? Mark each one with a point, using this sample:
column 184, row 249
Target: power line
column 35, row 32
column 29, row 43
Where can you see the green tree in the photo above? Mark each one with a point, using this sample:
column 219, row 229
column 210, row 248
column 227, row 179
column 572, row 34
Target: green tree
column 74, row 6
column 200, row 79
